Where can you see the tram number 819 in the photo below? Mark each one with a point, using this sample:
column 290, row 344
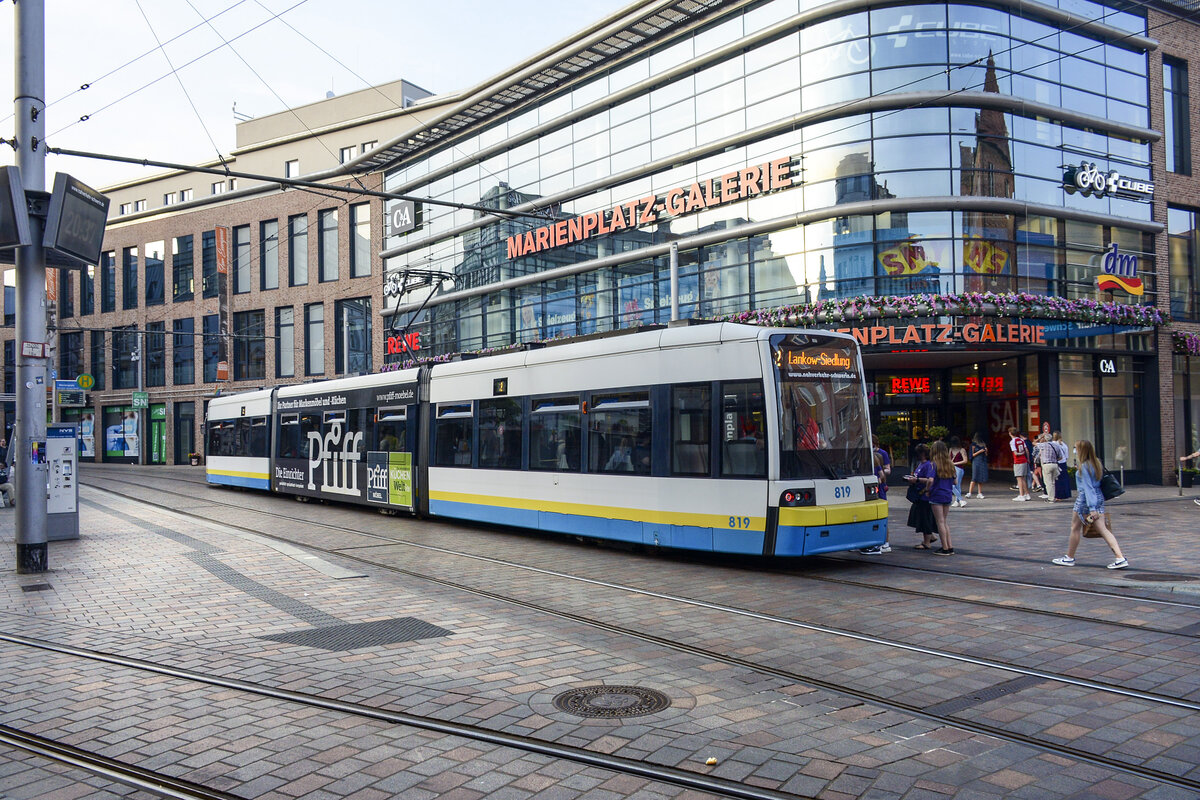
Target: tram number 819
column 739, row 522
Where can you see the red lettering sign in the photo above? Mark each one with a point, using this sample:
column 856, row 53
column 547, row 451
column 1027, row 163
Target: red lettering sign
column 910, row 385
column 409, row 342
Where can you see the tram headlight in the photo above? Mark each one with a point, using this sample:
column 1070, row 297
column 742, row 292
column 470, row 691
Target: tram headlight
column 798, row 497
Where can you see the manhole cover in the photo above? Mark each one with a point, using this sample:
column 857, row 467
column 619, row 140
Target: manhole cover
column 1159, row 577
column 36, row 587
column 610, row 702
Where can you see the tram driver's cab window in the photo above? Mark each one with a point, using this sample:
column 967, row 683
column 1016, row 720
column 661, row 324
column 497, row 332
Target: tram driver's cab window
column 743, row 430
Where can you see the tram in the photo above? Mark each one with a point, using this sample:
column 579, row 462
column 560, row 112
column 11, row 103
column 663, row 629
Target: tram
column 717, row 437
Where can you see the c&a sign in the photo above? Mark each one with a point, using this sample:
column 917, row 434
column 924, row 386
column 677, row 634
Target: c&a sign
column 1120, row 272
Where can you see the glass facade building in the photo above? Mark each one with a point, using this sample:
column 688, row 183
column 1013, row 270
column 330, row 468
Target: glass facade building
column 796, row 153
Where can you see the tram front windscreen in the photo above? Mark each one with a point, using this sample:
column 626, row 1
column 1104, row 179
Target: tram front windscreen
column 822, row 408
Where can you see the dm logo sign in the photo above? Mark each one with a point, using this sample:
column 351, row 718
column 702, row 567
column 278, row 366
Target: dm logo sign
column 1120, row 272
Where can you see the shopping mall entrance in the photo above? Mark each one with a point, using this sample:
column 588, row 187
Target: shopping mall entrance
column 910, row 404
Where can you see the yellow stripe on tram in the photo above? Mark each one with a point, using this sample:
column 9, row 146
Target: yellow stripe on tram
column 608, row 512
column 229, row 473
column 812, row 516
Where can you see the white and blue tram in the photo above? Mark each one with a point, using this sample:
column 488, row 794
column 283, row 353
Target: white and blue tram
column 718, row 437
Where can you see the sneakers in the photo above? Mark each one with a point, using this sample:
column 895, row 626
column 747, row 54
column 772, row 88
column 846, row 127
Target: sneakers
column 885, row 548
column 872, row 551
column 1021, row 498
column 1120, row 563
column 980, row 497
column 1197, row 502
column 1064, row 561
column 1044, row 496
column 944, row 552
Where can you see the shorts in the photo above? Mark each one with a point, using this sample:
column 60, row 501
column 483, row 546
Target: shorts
column 1081, row 508
column 1021, row 470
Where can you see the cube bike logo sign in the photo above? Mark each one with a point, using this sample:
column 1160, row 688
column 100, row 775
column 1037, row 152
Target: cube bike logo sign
column 1087, row 180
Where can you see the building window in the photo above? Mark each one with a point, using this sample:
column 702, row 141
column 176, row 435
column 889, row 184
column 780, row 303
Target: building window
column 155, row 274
column 185, row 195
column 268, row 254
column 298, row 250
column 70, row 355
column 368, row 146
column 314, row 339
column 352, row 324
column 241, row 259
column 208, row 264
column 291, row 169
column 87, row 290
column 10, row 298
column 218, row 187
column 211, row 327
column 126, row 208
column 156, row 354
column 66, row 293
column 249, row 346
column 98, row 359
column 285, row 342
column 108, row 281
column 183, row 351
column 1176, row 117
column 1183, row 256
column 124, row 357
column 233, row 184
column 10, row 366
column 360, row 244
column 183, row 272
column 139, row 205
column 170, row 198
column 129, row 265
column 327, row 245
column 348, row 153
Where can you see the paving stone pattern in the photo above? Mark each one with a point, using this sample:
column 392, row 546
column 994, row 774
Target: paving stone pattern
column 144, row 584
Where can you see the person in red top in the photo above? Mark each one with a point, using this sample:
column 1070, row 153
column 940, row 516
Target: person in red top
column 1020, row 464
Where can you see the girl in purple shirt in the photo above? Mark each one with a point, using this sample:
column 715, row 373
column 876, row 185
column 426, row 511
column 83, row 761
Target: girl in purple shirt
column 941, row 492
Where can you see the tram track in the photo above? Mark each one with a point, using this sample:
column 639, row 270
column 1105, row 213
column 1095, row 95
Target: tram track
column 916, row 711
column 126, row 773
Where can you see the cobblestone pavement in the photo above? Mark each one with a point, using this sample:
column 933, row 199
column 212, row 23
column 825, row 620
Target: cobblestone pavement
column 201, row 596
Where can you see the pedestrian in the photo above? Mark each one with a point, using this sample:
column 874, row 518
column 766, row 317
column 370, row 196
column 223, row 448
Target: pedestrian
column 920, row 514
column 881, row 470
column 958, row 457
column 941, row 492
column 1089, row 507
column 1048, row 458
column 887, row 465
column 1020, row 457
column 979, row 465
column 1189, row 458
column 1062, row 487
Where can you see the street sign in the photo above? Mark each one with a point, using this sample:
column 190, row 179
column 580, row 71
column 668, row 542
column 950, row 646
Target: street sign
column 141, row 399
column 75, row 222
column 14, row 212
column 85, row 381
column 68, row 394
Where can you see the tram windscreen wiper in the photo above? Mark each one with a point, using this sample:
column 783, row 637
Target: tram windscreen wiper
column 824, row 465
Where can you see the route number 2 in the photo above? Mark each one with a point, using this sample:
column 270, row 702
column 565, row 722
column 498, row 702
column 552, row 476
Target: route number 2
column 739, row 522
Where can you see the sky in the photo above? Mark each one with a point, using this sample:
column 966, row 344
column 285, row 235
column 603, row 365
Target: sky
column 273, row 60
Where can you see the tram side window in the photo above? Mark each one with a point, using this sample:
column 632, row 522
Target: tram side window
column 452, row 435
column 289, row 436
column 500, row 433
column 619, row 430
column 691, row 429
column 309, row 424
column 222, row 438
column 391, row 430
column 554, row 434
column 743, row 438
column 257, row 443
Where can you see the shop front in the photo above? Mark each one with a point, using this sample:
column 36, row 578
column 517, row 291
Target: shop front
column 1062, row 377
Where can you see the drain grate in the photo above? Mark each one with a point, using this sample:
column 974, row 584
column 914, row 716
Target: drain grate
column 1159, row 577
column 611, row 702
column 352, row 636
column 984, row 695
column 36, row 587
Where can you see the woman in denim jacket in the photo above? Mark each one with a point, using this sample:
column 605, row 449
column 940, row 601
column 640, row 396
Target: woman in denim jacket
column 1089, row 507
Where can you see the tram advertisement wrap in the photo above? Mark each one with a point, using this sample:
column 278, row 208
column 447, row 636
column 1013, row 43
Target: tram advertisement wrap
column 389, row 478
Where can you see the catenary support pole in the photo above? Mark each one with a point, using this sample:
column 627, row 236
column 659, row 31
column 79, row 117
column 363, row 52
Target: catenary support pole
column 30, row 466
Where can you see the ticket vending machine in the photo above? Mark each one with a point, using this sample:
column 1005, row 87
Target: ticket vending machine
column 62, row 476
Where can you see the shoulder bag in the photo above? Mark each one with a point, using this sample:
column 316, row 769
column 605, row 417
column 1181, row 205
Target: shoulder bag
column 1110, row 487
